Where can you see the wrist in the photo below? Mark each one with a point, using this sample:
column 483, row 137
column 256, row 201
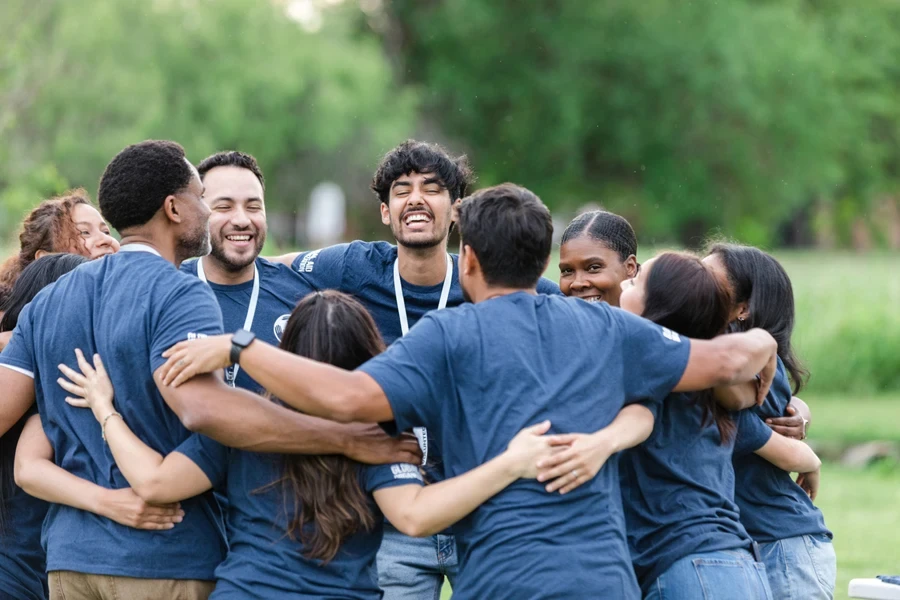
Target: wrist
column 606, row 441
column 99, row 500
column 510, row 468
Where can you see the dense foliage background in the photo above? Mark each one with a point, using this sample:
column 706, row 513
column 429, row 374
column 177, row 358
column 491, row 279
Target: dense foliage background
column 775, row 121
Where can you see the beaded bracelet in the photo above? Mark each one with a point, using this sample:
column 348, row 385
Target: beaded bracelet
column 105, row 419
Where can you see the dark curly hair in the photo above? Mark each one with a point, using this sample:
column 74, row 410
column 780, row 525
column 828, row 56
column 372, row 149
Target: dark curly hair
column 138, row 180
column 231, row 158
column 608, row 228
column 418, row 157
column 49, row 227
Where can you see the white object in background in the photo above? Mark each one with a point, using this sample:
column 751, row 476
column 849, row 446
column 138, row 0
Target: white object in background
column 873, row 589
column 326, row 220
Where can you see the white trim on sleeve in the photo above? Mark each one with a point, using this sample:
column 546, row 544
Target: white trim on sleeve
column 18, row 370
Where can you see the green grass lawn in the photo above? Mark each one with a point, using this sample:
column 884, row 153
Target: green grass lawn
column 851, row 418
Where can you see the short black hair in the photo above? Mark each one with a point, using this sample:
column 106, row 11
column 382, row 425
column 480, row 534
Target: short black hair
column 606, row 227
column 418, row 157
column 510, row 231
column 138, row 180
column 231, row 158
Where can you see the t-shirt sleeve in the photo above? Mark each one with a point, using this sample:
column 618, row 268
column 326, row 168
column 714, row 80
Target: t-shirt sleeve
column 385, row 476
column 322, row 269
column 752, row 433
column 545, row 286
column 19, row 352
column 654, row 358
column 191, row 311
column 208, row 454
column 414, row 373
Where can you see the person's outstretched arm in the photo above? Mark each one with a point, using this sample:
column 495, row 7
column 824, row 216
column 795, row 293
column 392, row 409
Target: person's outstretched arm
column 39, row 476
column 155, row 478
column 789, row 455
column 422, row 511
column 315, row 388
column 730, row 359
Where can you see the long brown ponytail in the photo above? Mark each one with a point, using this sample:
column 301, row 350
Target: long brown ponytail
column 323, row 499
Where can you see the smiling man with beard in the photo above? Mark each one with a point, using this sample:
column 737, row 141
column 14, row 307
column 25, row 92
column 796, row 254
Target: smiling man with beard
column 416, row 185
column 253, row 293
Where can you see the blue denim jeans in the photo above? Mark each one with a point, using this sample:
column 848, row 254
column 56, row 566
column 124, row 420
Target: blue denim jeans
column 414, row 568
column 801, row 568
column 723, row 575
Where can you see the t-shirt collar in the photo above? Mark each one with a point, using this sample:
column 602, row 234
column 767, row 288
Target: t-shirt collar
column 138, row 247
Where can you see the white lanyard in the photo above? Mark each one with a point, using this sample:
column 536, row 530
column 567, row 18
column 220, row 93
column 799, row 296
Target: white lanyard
column 398, row 292
column 232, row 373
column 420, row 432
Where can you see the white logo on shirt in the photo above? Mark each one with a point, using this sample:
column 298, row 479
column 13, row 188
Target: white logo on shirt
column 404, row 471
column 195, row 336
column 280, row 324
column 670, row 335
column 308, row 263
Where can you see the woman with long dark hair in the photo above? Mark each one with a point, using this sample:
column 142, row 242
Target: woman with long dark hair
column 306, row 526
column 777, row 512
column 683, row 526
column 22, row 561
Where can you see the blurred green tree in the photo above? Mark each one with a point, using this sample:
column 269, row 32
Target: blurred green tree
column 80, row 80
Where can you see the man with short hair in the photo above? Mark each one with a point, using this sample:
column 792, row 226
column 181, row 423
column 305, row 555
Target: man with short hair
column 476, row 374
column 253, row 293
column 416, row 185
column 130, row 307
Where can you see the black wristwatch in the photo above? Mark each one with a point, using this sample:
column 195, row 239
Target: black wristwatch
column 240, row 340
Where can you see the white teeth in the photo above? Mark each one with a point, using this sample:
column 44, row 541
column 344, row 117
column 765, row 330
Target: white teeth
column 416, row 218
column 238, row 238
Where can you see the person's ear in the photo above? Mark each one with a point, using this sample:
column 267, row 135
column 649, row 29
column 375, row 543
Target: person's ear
column 41, row 254
column 742, row 311
column 468, row 262
column 631, row 266
column 454, row 210
column 173, row 209
column 385, row 213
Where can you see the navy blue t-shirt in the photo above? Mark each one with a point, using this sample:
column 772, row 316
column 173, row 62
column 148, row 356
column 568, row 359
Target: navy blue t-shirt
column 128, row 307
column 22, row 560
column 280, row 289
column 477, row 374
column 366, row 271
column 263, row 562
column 773, row 506
column 678, row 487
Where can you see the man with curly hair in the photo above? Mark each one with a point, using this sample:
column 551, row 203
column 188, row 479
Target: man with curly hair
column 417, row 186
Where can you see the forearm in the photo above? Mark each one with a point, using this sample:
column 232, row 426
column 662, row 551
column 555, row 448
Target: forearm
column 749, row 352
column 435, row 507
column 789, row 455
column 139, row 463
column 736, row 397
column 632, row 426
column 316, row 388
column 43, row 479
column 246, row 421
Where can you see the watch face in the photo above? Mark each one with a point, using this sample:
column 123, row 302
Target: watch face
column 242, row 337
